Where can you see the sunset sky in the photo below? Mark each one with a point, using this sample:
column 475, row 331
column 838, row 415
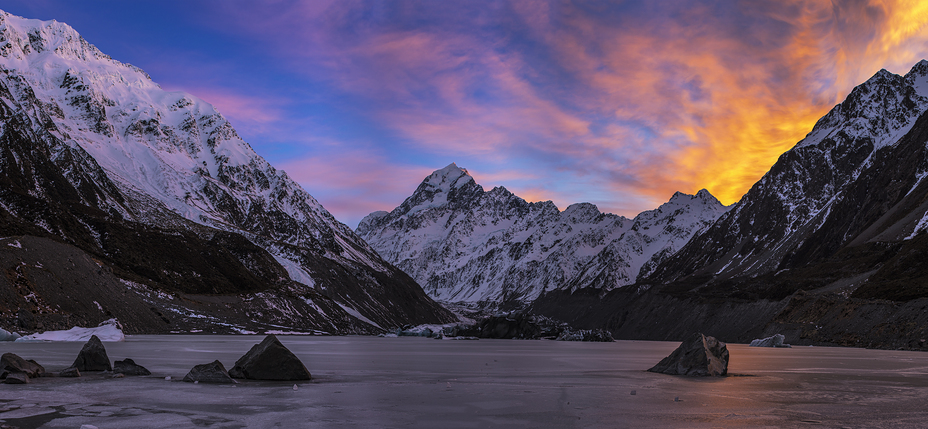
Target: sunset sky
column 616, row 103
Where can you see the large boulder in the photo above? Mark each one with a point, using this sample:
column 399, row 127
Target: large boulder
column 212, row 372
column 129, row 367
column 11, row 363
column 270, row 360
column 93, row 357
column 698, row 355
column 774, row 341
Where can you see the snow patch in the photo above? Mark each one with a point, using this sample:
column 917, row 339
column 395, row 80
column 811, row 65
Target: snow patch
column 109, row 331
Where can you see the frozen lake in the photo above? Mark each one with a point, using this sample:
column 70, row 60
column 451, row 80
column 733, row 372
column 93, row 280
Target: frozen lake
column 369, row 382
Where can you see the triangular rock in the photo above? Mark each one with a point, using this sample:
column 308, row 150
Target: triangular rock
column 698, row 355
column 270, row 360
column 93, row 357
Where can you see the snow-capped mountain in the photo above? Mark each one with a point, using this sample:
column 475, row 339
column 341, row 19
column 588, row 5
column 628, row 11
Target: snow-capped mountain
column 137, row 154
column 855, row 179
column 468, row 245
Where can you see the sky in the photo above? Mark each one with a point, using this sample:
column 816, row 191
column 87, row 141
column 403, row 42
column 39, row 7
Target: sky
column 618, row 103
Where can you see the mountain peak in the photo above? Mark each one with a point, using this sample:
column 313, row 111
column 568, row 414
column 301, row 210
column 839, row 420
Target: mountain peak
column 448, row 177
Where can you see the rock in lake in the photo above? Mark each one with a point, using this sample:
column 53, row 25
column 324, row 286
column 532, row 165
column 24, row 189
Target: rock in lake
column 11, row 363
column 93, row 357
column 212, row 372
column 270, row 360
column 774, row 341
column 129, row 367
column 69, row 372
column 698, row 355
column 16, row 378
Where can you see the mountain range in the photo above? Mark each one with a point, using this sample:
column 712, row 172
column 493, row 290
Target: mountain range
column 485, row 249
column 120, row 199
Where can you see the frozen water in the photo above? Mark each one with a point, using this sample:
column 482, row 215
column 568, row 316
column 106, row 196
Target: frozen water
column 423, row 383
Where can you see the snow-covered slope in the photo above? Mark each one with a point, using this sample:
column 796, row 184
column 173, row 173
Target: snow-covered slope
column 171, row 160
column 464, row 244
column 822, row 195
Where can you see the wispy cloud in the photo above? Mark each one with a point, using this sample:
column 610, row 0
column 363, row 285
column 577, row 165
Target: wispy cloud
column 620, row 103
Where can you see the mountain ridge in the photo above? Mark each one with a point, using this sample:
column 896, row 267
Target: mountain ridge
column 490, row 248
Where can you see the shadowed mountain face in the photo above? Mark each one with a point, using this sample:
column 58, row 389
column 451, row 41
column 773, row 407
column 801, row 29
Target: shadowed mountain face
column 158, row 188
column 855, row 180
column 828, row 247
column 491, row 248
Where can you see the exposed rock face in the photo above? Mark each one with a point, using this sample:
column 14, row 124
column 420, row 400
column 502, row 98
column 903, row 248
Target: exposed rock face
column 773, row 341
column 11, row 363
column 129, row 367
column 96, row 155
column 698, row 355
column 92, row 357
column 212, row 372
column 270, row 360
column 486, row 248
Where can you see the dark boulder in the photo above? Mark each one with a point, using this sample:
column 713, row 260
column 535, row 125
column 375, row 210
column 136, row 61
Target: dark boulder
column 270, row 360
column 129, row 367
column 698, row 355
column 93, row 357
column 11, row 363
column 69, row 372
column 16, row 378
column 212, row 372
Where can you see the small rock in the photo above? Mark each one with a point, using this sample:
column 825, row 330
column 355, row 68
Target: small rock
column 69, row 372
column 698, row 355
column 16, row 378
column 168, row 378
column 11, row 363
column 676, row 399
column 295, row 387
column 634, row 393
column 129, row 367
column 92, row 356
column 212, row 372
column 118, row 375
column 270, row 360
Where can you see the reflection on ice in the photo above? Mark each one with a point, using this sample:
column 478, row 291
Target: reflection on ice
column 416, row 382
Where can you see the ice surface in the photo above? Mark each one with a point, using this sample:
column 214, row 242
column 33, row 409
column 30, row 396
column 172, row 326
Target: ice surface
column 423, row 383
column 107, row 331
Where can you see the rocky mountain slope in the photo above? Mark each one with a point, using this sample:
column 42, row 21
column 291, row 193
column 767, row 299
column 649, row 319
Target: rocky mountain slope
column 486, row 248
column 829, row 245
column 158, row 186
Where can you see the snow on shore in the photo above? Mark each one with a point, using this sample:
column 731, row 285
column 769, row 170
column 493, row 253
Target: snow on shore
column 109, row 331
